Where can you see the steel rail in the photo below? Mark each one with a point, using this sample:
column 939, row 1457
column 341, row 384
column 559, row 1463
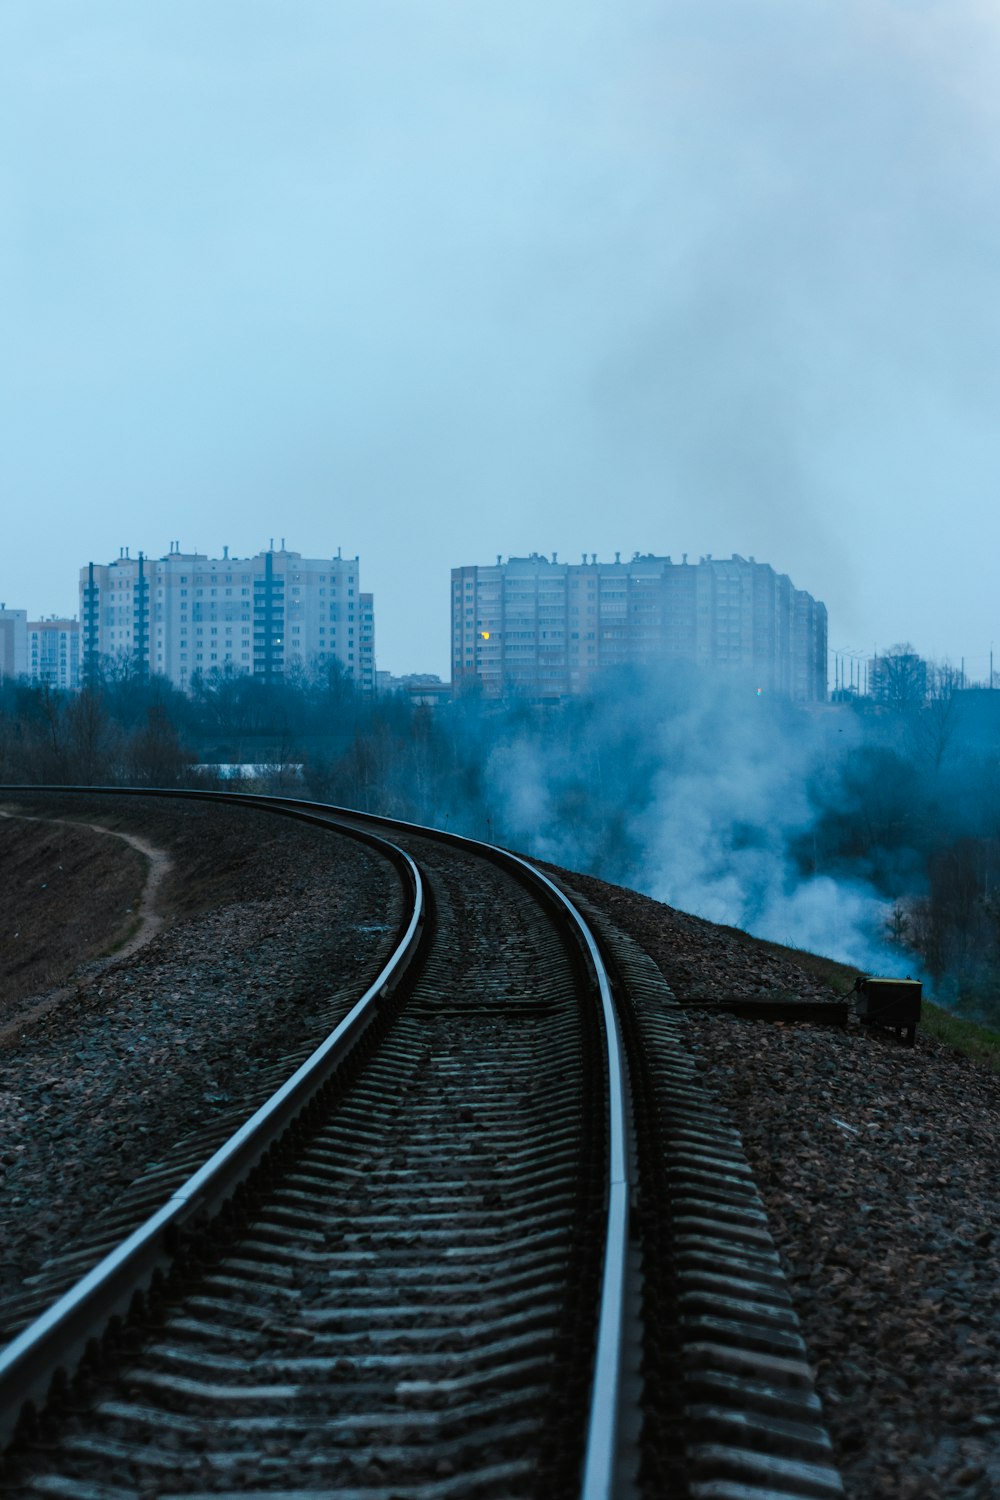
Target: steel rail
column 59, row 1337
column 601, row 1447
column 600, row 1458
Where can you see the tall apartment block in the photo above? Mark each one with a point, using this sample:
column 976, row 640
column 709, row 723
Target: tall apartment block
column 545, row 629
column 54, row 652
column 13, row 642
column 187, row 614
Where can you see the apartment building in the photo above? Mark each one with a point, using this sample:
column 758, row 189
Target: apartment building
column 54, row 652
column 187, row 614
column 547, row 630
column 13, row 642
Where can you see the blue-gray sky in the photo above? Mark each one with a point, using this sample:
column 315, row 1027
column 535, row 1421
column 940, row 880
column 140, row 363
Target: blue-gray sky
column 431, row 280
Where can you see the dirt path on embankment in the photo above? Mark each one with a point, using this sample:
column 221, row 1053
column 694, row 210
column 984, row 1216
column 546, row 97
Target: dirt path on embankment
column 92, row 902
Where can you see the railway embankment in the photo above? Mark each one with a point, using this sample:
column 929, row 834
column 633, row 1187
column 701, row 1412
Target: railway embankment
column 877, row 1163
column 264, row 924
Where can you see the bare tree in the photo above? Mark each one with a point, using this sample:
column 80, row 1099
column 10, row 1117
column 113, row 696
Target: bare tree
column 899, row 678
column 154, row 755
column 93, row 740
column 936, row 722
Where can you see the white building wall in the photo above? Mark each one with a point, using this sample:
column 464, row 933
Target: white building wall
column 268, row 615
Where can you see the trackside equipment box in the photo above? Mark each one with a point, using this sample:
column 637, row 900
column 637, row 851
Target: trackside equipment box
column 889, row 1002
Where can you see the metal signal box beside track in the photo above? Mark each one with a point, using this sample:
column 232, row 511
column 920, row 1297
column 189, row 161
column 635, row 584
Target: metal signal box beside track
column 889, row 1002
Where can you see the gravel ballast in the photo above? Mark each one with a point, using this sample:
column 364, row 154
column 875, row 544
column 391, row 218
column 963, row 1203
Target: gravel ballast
column 879, row 1167
column 878, row 1163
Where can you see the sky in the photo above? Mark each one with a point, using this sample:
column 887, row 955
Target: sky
column 436, row 280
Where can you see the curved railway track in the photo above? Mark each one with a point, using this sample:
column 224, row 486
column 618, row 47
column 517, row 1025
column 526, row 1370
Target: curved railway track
column 465, row 1251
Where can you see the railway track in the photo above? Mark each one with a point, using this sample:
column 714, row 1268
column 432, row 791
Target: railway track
column 464, row 1252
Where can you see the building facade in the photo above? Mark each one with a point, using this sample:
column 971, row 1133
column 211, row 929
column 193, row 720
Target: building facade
column 187, row 615
column 13, row 642
column 366, row 647
column 547, row 630
column 54, row 652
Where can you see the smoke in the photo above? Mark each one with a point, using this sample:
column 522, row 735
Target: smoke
column 700, row 792
column 731, row 806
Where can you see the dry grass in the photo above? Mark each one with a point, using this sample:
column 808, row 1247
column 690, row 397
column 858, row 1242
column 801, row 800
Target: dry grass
column 66, row 895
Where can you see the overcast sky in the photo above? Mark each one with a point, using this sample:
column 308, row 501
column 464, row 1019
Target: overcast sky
column 432, row 280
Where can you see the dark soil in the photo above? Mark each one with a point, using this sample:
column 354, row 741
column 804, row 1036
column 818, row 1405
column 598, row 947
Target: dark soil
column 66, row 895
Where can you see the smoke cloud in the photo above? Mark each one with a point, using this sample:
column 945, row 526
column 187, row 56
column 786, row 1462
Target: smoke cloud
column 704, row 794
